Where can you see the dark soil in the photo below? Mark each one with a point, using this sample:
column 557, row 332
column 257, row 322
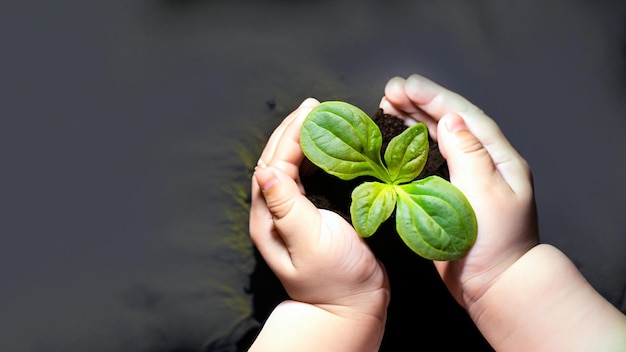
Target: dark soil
column 422, row 314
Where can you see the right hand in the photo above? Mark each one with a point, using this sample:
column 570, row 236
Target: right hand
column 316, row 254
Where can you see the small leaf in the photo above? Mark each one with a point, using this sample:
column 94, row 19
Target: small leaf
column 372, row 204
column 435, row 219
column 406, row 154
column 343, row 141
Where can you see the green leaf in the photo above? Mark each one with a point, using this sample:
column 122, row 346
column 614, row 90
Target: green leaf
column 406, row 154
column 343, row 141
column 435, row 219
column 372, row 204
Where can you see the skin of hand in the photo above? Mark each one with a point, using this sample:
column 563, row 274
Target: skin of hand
column 486, row 168
column 329, row 272
column 522, row 295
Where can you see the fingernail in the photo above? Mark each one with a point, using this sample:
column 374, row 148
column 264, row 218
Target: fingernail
column 420, row 87
column 266, row 178
column 309, row 102
column 454, row 123
column 260, row 165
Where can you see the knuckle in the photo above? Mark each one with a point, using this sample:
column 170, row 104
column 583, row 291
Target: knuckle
column 281, row 206
column 470, row 145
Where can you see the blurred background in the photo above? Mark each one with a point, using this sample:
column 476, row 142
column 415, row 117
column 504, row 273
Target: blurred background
column 129, row 127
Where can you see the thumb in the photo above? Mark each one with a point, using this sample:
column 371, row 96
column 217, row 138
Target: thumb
column 293, row 214
column 472, row 168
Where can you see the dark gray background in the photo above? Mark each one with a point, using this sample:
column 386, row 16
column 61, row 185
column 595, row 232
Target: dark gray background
column 121, row 123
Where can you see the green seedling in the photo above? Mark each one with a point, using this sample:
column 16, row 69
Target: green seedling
column 433, row 218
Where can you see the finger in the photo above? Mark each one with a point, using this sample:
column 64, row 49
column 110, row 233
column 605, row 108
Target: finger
column 263, row 232
column 395, row 93
column 390, row 109
column 295, row 219
column 477, row 165
column 270, row 146
column 273, row 142
column 287, row 155
column 438, row 101
column 420, row 96
column 396, row 102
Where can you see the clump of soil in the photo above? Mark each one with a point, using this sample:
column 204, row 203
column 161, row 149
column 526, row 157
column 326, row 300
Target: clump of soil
column 420, row 302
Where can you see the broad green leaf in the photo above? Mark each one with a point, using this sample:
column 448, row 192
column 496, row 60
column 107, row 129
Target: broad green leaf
column 406, row 154
column 343, row 141
column 435, row 219
column 372, row 204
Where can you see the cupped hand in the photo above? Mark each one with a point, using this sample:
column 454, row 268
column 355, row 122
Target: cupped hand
column 486, row 168
column 316, row 254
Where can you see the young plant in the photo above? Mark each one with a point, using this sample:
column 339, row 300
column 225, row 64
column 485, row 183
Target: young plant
column 433, row 217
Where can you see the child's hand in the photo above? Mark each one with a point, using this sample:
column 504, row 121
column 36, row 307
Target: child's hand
column 486, row 168
column 522, row 296
column 339, row 290
column 315, row 253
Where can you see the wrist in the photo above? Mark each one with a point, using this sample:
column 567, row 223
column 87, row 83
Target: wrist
column 299, row 326
column 355, row 322
column 542, row 302
column 369, row 305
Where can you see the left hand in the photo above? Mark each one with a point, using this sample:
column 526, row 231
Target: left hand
column 483, row 164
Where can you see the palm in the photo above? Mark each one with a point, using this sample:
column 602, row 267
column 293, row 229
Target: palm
column 338, row 253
